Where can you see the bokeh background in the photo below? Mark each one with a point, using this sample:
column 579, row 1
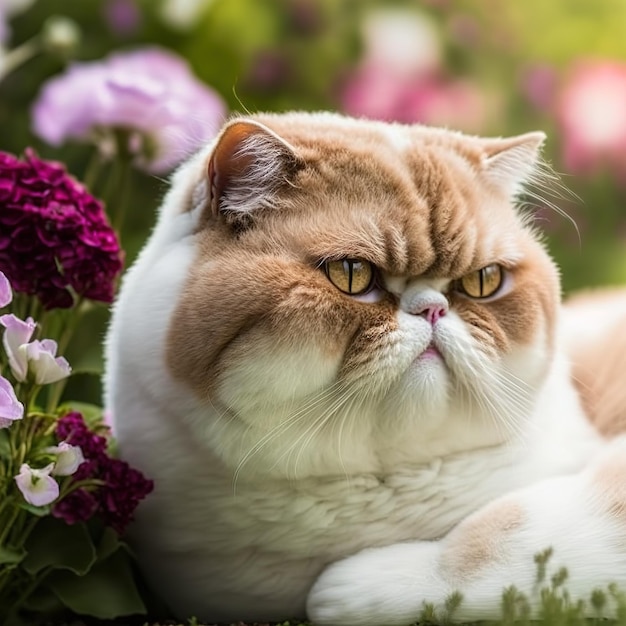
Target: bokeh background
column 492, row 67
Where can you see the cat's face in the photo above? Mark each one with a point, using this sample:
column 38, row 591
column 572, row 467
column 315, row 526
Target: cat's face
column 363, row 281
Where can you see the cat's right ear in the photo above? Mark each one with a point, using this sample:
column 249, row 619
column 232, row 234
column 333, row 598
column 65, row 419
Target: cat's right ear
column 248, row 167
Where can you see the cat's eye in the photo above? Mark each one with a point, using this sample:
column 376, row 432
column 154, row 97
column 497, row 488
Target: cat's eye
column 482, row 283
column 352, row 276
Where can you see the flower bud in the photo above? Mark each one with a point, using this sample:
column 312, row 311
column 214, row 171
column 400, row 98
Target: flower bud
column 60, row 35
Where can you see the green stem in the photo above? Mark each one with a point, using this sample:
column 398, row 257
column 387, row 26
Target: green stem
column 92, row 171
column 18, row 56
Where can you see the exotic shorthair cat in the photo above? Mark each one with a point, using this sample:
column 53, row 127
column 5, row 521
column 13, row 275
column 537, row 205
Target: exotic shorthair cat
column 343, row 359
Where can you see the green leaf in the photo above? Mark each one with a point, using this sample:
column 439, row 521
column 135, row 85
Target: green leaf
column 43, row 600
column 91, row 412
column 5, row 448
column 11, row 556
column 109, row 543
column 107, row 591
column 57, row 545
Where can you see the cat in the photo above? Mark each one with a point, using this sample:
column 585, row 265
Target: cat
column 343, row 359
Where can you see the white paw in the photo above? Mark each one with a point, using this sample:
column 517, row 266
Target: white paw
column 379, row 586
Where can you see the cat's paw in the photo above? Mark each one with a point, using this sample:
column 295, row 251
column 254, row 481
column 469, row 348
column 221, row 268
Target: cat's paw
column 379, row 586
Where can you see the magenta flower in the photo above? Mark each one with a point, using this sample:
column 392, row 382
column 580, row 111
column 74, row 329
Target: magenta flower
column 592, row 115
column 150, row 93
column 55, row 239
column 11, row 408
column 36, row 485
column 6, row 294
column 124, row 487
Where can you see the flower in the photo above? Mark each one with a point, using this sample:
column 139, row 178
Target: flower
column 55, row 239
column 124, row 487
column 17, row 334
column 6, row 294
column 68, row 458
column 149, row 93
column 591, row 115
column 36, row 485
column 399, row 77
column 379, row 94
column 78, row 506
column 11, row 408
column 123, row 17
column 35, row 357
column 43, row 363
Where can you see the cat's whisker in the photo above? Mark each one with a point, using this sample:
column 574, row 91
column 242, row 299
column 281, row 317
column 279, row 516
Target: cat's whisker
column 283, row 426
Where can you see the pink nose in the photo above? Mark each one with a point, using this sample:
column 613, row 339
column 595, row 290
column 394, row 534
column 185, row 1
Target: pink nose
column 433, row 312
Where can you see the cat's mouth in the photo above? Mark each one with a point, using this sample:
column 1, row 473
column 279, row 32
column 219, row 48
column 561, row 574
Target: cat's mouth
column 431, row 352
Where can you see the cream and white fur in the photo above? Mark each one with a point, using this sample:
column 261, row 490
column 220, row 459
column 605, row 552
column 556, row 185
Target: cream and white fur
column 246, row 515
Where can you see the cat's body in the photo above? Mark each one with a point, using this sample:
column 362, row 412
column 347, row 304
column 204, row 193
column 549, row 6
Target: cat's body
column 288, row 424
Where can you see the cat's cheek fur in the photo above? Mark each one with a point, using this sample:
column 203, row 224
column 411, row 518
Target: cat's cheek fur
column 580, row 518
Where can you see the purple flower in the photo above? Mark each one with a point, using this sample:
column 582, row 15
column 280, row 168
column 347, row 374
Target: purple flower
column 150, row 93
column 54, row 236
column 72, row 429
column 6, row 294
column 36, row 485
column 123, row 489
column 11, row 408
column 78, row 506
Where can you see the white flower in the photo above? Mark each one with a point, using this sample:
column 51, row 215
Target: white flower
column 43, row 362
column 68, row 458
column 17, row 333
column 36, row 485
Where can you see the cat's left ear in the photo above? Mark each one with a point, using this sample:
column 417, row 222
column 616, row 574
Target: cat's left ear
column 509, row 163
column 248, row 167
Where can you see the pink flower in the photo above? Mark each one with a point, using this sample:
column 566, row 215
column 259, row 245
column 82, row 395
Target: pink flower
column 37, row 358
column 36, row 485
column 17, row 334
column 399, row 77
column 55, row 239
column 592, row 116
column 43, row 364
column 6, row 295
column 150, row 93
column 11, row 408
column 376, row 93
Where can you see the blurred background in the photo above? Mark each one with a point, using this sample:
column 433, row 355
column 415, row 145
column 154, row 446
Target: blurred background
column 489, row 67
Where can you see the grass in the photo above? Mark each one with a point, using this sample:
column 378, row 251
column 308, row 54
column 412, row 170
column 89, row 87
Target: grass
column 556, row 607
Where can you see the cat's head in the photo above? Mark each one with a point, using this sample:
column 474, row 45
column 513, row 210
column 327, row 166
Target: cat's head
column 360, row 288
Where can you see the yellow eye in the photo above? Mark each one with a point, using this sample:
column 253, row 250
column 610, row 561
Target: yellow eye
column 351, row 276
column 482, row 283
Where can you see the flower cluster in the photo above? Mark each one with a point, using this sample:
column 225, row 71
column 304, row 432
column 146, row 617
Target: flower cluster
column 123, row 486
column 55, row 240
column 52, row 464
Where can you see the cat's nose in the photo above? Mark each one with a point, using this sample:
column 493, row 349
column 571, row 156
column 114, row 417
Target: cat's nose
column 431, row 304
column 434, row 312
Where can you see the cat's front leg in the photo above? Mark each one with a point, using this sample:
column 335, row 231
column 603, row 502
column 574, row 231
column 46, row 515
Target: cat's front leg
column 580, row 518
